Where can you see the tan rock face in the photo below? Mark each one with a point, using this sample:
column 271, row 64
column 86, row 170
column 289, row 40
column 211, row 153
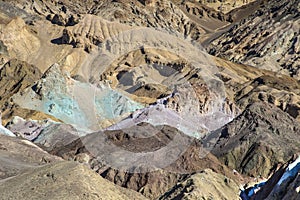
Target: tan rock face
column 19, row 40
column 247, row 85
column 225, row 6
column 282, row 92
column 148, row 2
column 90, row 32
column 15, row 76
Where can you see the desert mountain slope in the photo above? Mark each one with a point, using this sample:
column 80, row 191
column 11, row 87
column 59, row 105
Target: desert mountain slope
column 252, row 143
column 283, row 184
column 246, row 85
column 127, row 89
column 186, row 18
column 18, row 155
column 216, row 187
column 268, row 39
column 15, row 76
column 227, row 5
column 63, row 180
column 138, row 162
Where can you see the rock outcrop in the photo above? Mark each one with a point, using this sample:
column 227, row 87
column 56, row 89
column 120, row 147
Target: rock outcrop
column 16, row 76
column 284, row 183
column 19, row 40
column 28, row 129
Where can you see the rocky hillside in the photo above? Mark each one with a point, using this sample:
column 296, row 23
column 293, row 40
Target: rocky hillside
column 15, row 76
column 64, row 180
column 136, row 162
column 252, row 143
column 283, row 184
column 119, row 99
column 267, row 39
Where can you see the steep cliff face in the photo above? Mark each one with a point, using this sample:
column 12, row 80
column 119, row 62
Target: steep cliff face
column 287, row 186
